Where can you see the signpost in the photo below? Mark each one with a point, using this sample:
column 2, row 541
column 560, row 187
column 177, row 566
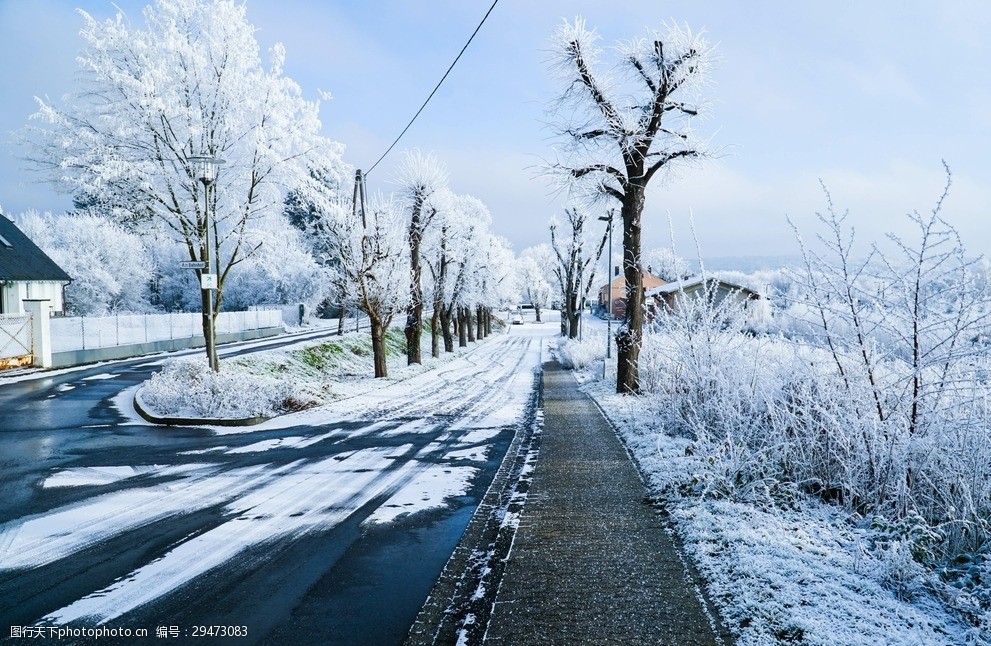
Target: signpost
column 192, row 264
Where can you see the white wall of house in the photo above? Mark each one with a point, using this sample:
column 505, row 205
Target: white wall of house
column 13, row 293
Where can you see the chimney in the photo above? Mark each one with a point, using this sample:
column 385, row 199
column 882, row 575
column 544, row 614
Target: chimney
column 615, row 270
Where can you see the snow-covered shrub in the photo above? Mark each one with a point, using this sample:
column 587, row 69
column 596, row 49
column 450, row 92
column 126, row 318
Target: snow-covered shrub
column 877, row 400
column 188, row 388
column 584, row 352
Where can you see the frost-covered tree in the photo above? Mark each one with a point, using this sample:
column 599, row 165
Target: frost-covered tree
column 302, row 210
column 532, row 285
column 544, row 256
column 454, row 254
column 372, row 259
column 664, row 263
column 620, row 130
column 577, row 257
column 499, row 284
column 108, row 264
column 420, row 176
column 190, row 82
column 281, row 271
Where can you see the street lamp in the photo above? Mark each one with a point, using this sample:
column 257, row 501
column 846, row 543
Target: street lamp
column 608, row 219
column 205, row 168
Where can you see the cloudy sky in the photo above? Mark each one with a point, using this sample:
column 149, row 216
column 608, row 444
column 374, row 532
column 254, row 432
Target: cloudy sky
column 867, row 97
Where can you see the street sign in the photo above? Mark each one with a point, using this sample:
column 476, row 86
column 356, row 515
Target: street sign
column 192, row 264
column 208, row 281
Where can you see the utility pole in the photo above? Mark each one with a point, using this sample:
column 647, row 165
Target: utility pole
column 608, row 219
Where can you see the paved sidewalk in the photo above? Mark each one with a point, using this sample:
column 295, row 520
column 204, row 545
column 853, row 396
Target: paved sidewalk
column 591, row 562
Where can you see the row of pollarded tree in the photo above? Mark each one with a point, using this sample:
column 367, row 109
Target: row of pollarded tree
column 393, row 254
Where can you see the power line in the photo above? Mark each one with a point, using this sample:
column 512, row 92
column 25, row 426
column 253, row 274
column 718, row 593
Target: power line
column 484, row 18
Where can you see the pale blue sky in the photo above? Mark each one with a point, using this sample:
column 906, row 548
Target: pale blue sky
column 868, row 97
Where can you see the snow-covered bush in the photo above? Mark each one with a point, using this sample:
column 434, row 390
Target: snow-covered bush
column 582, row 353
column 879, row 402
column 189, row 388
column 772, row 420
column 264, row 384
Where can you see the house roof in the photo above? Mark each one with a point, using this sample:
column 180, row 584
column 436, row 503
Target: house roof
column 21, row 259
column 620, row 280
column 691, row 284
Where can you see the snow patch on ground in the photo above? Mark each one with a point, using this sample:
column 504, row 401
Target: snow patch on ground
column 94, row 476
column 480, row 436
column 293, row 442
column 476, row 454
column 262, row 505
column 101, row 377
column 800, row 576
column 428, row 489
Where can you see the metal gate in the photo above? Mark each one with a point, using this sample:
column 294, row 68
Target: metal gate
column 16, row 340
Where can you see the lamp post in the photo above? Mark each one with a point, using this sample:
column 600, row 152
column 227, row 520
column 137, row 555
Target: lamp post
column 608, row 219
column 205, row 168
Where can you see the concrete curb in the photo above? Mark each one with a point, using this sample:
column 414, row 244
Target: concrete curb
column 467, row 586
column 190, row 421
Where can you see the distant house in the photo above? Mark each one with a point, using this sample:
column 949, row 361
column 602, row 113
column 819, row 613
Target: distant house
column 670, row 297
column 618, row 288
column 27, row 273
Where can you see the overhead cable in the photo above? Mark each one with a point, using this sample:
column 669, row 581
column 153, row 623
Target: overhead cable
column 484, row 18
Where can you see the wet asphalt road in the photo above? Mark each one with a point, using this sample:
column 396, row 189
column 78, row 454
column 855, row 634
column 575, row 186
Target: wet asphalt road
column 290, row 533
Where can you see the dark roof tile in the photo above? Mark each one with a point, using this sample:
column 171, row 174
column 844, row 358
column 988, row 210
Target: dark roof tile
column 21, row 259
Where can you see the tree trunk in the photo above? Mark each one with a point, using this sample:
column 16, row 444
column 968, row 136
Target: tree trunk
column 413, row 330
column 480, row 323
column 488, row 321
column 340, row 320
column 414, row 316
column 378, row 347
column 435, row 330
column 536, row 311
column 445, row 326
column 470, row 324
column 462, row 328
column 564, row 317
column 630, row 335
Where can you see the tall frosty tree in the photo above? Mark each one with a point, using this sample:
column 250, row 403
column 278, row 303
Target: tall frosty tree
column 574, row 268
column 621, row 129
column 365, row 250
column 190, row 83
column 420, row 176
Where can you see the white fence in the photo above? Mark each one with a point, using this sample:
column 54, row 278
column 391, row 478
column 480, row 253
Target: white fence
column 87, row 333
column 15, row 335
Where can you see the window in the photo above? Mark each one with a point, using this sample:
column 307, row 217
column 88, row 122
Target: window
column 5, row 242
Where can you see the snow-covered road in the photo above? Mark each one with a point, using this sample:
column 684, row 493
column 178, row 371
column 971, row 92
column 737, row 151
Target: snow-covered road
column 145, row 527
